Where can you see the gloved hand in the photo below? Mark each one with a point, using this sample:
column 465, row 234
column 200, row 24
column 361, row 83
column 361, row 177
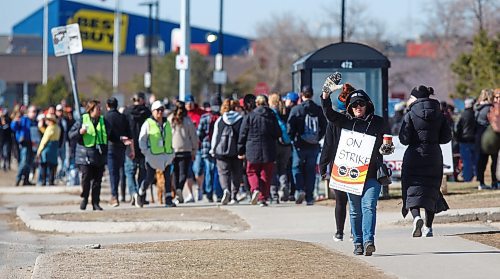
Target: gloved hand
column 386, row 149
column 332, row 83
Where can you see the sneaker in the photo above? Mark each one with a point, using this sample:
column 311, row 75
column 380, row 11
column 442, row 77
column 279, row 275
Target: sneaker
column 418, row 223
column 301, row 198
column 255, row 197
column 96, row 206
column 483, row 187
column 142, row 192
column 338, row 237
column 428, row 232
column 226, row 197
column 284, row 198
column 139, row 201
column 262, row 203
column 169, row 202
column 219, row 200
column 136, row 200
column 358, row 249
column 291, row 198
column 309, row 203
column 83, row 204
column 114, row 202
column 351, row 237
column 178, row 195
column 369, row 248
column 234, row 201
column 190, row 199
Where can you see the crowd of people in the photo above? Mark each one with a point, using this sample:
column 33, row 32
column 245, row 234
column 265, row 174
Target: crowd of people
column 264, row 148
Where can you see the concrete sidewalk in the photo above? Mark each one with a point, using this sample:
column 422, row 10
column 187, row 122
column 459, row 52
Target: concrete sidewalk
column 398, row 254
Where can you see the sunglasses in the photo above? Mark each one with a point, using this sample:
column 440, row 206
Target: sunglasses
column 160, row 109
column 359, row 104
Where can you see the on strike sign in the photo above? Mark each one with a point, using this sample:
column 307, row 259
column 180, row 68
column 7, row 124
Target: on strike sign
column 352, row 161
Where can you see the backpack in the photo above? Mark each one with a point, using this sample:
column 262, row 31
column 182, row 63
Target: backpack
column 311, row 129
column 211, row 124
column 285, row 138
column 227, row 145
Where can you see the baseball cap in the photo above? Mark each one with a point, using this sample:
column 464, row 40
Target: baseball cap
column 189, row 99
column 156, row 105
column 292, row 96
column 59, row 107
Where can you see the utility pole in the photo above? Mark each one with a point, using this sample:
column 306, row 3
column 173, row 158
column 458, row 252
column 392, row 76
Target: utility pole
column 45, row 37
column 116, row 45
column 184, row 73
column 342, row 25
column 219, row 64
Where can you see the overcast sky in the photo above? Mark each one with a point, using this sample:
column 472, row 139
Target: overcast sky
column 242, row 16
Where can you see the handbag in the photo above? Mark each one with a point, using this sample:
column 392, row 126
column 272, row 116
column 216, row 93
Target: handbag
column 384, row 175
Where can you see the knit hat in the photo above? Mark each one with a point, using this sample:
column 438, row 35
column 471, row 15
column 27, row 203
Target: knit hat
column 422, row 91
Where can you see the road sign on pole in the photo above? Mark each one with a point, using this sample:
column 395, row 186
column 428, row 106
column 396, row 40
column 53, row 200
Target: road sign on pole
column 67, row 40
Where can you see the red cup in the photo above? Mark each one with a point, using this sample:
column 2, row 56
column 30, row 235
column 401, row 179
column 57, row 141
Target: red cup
column 387, row 139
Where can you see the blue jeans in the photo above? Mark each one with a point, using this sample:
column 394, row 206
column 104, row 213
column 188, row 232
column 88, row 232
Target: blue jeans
column 116, row 157
column 211, row 182
column 197, row 166
column 469, row 158
column 304, row 169
column 363, row 211
column 131, row 167
column 25, row 162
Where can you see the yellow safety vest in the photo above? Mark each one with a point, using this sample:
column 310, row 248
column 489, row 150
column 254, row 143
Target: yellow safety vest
column 94, row 135
column 158, row 143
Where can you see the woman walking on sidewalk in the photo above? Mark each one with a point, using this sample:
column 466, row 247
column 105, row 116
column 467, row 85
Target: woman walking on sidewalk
column 48, row 150
column 423, row 129
column 361, row 118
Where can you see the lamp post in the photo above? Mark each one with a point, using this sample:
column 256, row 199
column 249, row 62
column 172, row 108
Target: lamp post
column 219, row 63
column 342, row 24
column 148, row 75
column 116, row 45
column 45, row 38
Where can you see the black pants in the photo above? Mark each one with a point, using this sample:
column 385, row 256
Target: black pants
column 51, row 170
column 481, row 167
column 340, row 210
column 429, row 216
column 150, row 177
column 182, row 163
column 91, row 179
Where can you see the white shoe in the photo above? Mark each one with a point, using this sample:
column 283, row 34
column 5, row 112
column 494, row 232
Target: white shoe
column 418, row 223
column 255, row 197
column 178, row 195
column 428, row 232
column 190, row 199
column 483, row 187
column 136, row 200
column 142, row 192
column 232, row 202
column 226, row 197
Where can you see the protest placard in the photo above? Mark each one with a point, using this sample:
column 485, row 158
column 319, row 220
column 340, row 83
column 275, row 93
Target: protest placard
column 352, row 161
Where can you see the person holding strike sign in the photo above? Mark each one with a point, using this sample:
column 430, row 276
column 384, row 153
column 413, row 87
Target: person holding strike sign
column 358, row 157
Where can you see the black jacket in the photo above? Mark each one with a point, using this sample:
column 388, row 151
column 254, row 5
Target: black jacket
column 465, row 131
column 95, row 156
column 296, row 122
column 329, row 150
column 136, row 115
column 424, row 128
column 118, row 127
column 372, row 124
column 259, row 134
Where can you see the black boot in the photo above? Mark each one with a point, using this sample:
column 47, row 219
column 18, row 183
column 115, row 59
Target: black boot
column 83, row 204
column 96, row 206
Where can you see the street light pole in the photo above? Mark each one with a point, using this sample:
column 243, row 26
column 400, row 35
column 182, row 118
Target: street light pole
column 184, row 73
column 342, row 24
column 150, row 44
column 45, row 37
column 116, row 45
column 220, row 55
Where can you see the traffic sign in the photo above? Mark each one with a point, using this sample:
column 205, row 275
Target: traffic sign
column 67, row 39
column 220, row 77
column 181, row 62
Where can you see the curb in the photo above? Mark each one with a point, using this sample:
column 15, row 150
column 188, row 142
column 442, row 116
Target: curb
column 463, row 215
column 35, row 222
column 41, row 190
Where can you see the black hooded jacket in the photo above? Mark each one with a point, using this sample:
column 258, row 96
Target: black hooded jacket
column 372, row 124
column 136, row 115
column 424, row 128
column 259, row 134
column 296, row 122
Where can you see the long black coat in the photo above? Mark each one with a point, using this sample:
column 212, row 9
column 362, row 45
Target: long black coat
column 424, row 128
column 259, row 134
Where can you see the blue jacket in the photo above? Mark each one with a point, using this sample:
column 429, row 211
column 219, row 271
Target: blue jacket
column 21, row 129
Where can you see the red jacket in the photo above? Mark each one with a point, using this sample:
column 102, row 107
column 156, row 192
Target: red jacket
column 195, row 115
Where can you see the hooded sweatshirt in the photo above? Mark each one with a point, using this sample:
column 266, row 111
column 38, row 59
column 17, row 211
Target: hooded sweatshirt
column 136, row 115
column 230, row 118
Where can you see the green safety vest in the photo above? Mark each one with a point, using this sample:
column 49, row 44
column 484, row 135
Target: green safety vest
column 94, row 135
column 158, row 143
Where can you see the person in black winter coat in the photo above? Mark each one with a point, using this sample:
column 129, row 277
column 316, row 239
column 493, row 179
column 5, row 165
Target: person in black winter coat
column 484, row 104
column 465, row 134
column 424, row 128
column 136, row 115
column 307, row 126
column 259, row 133
column 91, row 152
column 330, row 145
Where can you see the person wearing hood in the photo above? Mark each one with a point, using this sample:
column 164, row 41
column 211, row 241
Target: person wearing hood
column 136, row 115
column 155, row 142
column 484, row 104
column 224, row 148
column 423, row 129
column 327, row 157
column 259, row 133
column 306, row 126
column 360, row 117
column 48, row 150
